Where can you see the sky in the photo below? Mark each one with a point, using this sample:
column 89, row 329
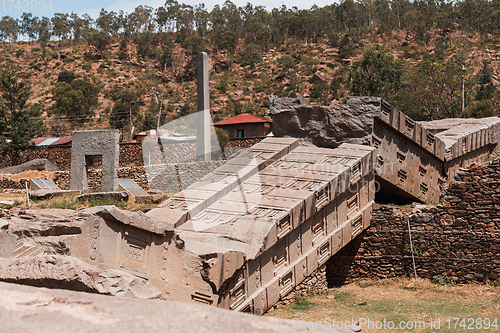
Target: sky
column 15, row 8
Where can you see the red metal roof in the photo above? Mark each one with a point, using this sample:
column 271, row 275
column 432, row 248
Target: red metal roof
column 243, row 118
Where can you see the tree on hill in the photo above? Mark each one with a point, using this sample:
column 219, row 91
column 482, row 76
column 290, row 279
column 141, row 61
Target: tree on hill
column 376, row 74
column 61, row 26
column 44, row 34
column 108, row 22
column 99, row 40
column 9, row 29
column 19, row 121
column 433, row 90
column 126, row 107
column 29, row 26
column 77, row 100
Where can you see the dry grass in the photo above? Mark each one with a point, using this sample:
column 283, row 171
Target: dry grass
column 70, row 201
column 399, row 300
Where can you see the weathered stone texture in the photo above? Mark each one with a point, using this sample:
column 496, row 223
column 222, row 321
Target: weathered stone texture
column 65, row 272
column 30, row 309
column 87, row 144
column 326, row 126
column 415, row 159
column 460, row 238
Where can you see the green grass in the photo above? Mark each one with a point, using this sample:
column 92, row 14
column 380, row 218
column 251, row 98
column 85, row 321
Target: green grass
column 106, row 202
column 302, row 303
column 63, row 202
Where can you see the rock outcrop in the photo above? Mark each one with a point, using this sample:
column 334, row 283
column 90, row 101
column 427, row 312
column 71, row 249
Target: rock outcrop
column 65, row 272
column 38, row 164
column 30, row 309
column 325, row 126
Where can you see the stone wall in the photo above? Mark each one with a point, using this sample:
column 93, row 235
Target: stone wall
column 236, row 144
column 314, row 283
column 60, row 156
column 170, row 178
column 173, row 177
column 130, row 153
column 460, row 238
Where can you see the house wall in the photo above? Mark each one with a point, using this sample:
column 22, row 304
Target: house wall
column 251, row 129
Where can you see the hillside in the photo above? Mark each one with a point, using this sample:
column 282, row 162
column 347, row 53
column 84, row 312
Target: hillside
column 297, row 67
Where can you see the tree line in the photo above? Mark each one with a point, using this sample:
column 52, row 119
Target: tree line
column 429, row 90
column 225, row 25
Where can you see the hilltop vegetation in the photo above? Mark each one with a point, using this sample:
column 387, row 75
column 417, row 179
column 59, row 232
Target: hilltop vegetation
column 125, row 70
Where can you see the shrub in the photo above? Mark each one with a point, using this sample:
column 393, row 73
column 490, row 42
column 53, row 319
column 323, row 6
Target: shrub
column 444, row 280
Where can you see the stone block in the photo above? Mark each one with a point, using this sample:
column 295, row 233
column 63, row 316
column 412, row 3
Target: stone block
column 87, row 144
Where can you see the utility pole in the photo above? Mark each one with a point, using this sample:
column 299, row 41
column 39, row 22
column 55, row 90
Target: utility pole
column 159, row 100
column 463, row 88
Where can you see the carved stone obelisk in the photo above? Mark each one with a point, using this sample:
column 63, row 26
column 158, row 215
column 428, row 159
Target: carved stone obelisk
column 203, row 151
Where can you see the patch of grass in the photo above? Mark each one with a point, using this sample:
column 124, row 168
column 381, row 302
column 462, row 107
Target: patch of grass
column 18, row 203
column 302, row 303
column 107, row 201
column 343, row 296
column 64, row 202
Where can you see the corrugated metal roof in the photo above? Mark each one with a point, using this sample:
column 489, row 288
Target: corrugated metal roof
column 40, row 142
column 243, row 118
column 48, row 142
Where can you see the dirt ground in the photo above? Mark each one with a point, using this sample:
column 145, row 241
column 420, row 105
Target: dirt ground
column 400, row 305
column 33, row 174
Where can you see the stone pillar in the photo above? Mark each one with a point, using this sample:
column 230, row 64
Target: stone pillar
column 203, row 128
column 87, row 144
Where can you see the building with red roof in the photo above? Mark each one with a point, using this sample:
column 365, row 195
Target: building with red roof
column 245, row 125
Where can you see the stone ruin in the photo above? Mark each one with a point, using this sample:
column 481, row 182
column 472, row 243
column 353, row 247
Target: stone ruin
column 246, row 234
column 415, row 159
column 240, row 238
column 264, row 221
column 88, row 145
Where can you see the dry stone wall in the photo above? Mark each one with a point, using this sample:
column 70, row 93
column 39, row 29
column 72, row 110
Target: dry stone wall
column 316, row 283
column 130, row 153
column 169, row 178
column 60, row 156
column 460, row 238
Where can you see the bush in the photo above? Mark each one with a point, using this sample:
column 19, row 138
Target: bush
column 479, row 109
column 286, row 63
column 222, row 137
column 251, row 55
column 444, row 280
column 66, row 76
